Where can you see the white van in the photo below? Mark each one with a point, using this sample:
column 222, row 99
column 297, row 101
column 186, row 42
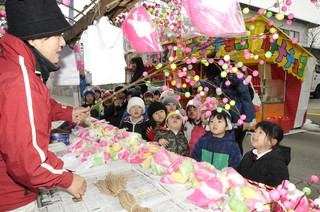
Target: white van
column 315, row 85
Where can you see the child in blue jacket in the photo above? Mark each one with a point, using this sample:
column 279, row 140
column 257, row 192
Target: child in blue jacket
column 218, row 146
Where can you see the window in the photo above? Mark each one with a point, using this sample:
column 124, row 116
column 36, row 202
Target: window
column 292, row 33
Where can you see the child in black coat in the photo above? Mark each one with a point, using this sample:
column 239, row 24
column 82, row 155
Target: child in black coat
column 136, row 121
column 268, row 162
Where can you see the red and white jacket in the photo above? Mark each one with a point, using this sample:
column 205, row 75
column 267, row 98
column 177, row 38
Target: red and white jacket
column 26, row 113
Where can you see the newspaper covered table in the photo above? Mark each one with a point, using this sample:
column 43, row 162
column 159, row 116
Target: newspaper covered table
column 146, row 188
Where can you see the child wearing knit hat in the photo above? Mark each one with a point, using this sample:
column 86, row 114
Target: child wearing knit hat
column 202, row 117
column 136, row 122
column 172, row 137
column 157, row 114
column 218, row 146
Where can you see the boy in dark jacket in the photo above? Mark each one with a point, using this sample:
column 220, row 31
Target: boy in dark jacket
column 268, row 162
column 136, row 121
column 218, row 146
column 172, row 137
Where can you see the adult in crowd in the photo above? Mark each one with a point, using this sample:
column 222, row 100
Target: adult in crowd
column 29, row 52
column 237, row 91
column 118, row 107
column 138, row 69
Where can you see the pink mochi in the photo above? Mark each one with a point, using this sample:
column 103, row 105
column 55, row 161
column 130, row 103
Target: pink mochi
column 139, row 31
column 215, row 18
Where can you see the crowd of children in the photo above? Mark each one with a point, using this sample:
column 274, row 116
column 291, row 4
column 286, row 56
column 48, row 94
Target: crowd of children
column 203, row 131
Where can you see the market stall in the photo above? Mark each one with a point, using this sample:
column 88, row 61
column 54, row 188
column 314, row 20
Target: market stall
column 285, row 70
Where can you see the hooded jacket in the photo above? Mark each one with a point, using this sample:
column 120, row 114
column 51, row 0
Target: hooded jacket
column 237, row 91
column 26, row 113
column 271, row 169
column 220, row 152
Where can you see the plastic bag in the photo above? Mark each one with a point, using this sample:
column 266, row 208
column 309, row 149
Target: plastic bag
column 139, row 32
column 216, row 18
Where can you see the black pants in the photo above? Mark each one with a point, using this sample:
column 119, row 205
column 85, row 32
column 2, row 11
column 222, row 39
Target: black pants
column 240, row 134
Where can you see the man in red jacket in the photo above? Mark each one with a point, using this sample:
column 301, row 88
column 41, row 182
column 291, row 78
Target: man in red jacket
column 28, row 53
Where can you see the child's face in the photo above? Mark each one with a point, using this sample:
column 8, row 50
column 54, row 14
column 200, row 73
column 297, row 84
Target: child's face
column 148, row 100
column 218, row 127
column 192, row 112
column 159, row 116
column 121, row 95
column 204, row 117
column 135, row 111
column 171, row 107
column 174, row 122
column 89, row 98
column 156, row 97
column 98, row 95
column 260, row 140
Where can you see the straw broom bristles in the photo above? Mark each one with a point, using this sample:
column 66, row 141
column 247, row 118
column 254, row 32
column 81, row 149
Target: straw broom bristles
column 114, row 185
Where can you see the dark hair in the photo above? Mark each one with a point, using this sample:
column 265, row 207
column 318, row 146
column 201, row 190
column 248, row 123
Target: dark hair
column 220, row 116
column 272, row 130
column 139, row 69
column 153, row 123
column 157, row 92
column 191, row 121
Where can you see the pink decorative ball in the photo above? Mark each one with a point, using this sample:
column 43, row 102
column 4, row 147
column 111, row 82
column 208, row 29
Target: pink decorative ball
column 290, row 16
column 178, row 85
column 192, row 83
column 188, row 80
column 145, row 73
column 225, row 100
column 198, row 96
column 284, row 8
column 288, row 2
column 270, row 23
column 164, row 88
column 274, row 195
column 185, row 118
column 208, row 99
column 294, row 40
column 206, row 89
column 289, row 22
column 261, row 11
column 240, row 75
column 66, row 2
column 261, row 62
column 243, row 117
column 178, row 98
column 255, row 73
column 227, row 83
column 287, row 204
column 314, row 178
column 218, row 90
column 208, row 113
column 283, row 192
column 240, row 122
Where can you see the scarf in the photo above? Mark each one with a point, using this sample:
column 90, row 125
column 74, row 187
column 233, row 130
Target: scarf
column 43, row 65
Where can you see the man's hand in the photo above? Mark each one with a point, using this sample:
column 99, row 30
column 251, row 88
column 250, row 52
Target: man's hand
column 245, row 126
column 80, row 113
column 78, row 186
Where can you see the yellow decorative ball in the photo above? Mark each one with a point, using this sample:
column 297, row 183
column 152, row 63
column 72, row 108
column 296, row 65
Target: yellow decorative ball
column 227, row 107
column 246, row 10
column 184, row 85
column 173, row 83
column 279, row 16
column 196, row 78
column 223, row 74
column 232, row 103
column 173, row 66
column 272, row 30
